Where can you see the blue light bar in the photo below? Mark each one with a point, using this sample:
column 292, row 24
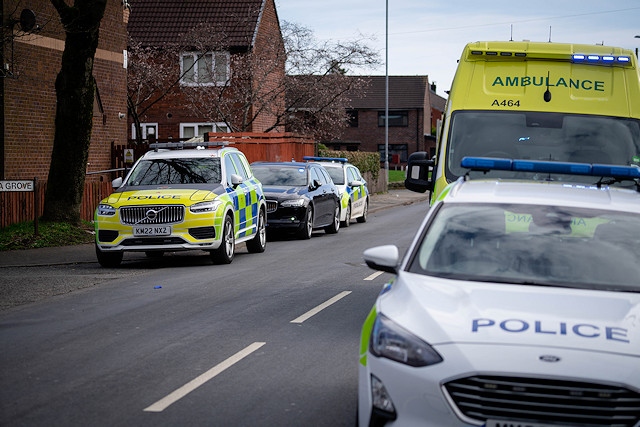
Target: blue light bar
column 600, row 59
column 487, row 163
column 540, row 166
column 326, row 159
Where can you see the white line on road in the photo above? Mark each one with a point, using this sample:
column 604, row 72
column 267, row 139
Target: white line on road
column 374, row 275
column 321, row 307
column 178, row 394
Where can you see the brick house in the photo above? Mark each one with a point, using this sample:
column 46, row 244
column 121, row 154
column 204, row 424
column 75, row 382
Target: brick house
column 243, row 29
column 31, row 59
column 414, row 111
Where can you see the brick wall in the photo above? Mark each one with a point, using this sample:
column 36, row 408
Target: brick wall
column 369, row 134
column 30, row 98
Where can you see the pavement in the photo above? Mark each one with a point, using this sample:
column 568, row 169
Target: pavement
column 85, row 253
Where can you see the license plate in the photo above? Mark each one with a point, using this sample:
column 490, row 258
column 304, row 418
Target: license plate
column 159, row 230
column 506, row 423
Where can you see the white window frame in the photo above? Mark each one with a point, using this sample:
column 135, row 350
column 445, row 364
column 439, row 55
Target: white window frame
column 217, row 127
column 221, row 80
column 145, row 130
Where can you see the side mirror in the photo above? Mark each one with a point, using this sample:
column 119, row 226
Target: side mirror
column 419, row 167
column 117, row 183
column 236, row 180
column 383, row 258
column 315, row 184
column 355, row 183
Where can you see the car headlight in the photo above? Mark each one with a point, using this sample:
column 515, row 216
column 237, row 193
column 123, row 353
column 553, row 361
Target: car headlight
column 396, row 343
column 293, row 203
column 106, row 210
column 204, row 207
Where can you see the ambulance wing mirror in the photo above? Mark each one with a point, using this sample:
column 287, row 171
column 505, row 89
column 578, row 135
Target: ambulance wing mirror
column 117, row 183
column 419, row 168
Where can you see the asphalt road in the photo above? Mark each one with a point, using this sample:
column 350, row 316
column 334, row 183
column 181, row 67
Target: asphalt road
column 271, row 339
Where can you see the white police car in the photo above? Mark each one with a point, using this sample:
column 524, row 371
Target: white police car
column 354, row 193
column 517, row 304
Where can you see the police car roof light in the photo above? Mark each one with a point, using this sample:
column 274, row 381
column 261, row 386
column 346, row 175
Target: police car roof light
column 326, row 159
column 567, row 168
column 182, row 145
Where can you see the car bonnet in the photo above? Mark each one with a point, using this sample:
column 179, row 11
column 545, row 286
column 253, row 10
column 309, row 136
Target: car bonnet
column 165, row 196
column 442, row 311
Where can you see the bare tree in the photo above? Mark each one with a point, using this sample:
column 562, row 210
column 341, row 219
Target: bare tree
column 151, row 77
column 300, row 86
column 75, row 89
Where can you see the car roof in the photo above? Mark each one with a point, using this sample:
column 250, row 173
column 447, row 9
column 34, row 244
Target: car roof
column 190, row 153
column 490, row 191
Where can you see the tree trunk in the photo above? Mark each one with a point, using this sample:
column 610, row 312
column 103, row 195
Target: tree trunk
column 75, row 91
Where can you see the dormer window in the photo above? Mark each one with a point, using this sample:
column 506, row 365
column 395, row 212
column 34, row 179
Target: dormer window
column 204, row 69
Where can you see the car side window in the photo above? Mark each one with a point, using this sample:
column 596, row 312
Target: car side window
column 316, row 176
column 241, row 168
column 229, row 169
column 326, row 177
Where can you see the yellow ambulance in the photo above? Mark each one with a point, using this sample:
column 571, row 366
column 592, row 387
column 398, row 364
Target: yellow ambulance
column 535, row 101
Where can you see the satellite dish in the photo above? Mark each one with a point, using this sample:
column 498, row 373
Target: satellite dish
column 27, row 20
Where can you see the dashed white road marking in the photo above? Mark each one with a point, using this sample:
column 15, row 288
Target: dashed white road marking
column 178, row 394
column 321, row 307
column 374, row 275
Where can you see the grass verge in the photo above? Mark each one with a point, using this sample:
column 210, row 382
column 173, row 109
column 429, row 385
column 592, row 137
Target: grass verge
column 22, row 236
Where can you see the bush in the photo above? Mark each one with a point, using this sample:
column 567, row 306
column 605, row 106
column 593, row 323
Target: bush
column 365, row 161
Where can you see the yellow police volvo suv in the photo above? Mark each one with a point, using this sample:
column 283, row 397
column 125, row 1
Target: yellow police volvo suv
column 183, row 199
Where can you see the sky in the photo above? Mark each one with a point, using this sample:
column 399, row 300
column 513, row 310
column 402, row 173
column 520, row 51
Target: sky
column 426, row 37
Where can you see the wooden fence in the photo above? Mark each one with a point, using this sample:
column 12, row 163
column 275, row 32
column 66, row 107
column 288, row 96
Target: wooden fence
column 19, row 206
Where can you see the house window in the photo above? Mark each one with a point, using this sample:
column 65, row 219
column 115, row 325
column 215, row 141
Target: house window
column 401, row 150
column 208, row 69
column 149, row 130
column 352, row 118
column 190, row 130
column 396, row 118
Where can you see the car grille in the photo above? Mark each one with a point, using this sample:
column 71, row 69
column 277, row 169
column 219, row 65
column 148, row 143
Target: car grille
column 272, row 206
column 169, row 214
column 544, row 400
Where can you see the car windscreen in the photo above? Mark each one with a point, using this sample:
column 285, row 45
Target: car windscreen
column 336, row 173
column 176, row 171
column 541, row 136
column 281, row 175
column 532, row 244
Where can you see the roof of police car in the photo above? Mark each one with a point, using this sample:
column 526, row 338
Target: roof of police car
column 189, row 153
column 488, row 191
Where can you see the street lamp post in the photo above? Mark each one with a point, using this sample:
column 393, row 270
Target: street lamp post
column 386, row 92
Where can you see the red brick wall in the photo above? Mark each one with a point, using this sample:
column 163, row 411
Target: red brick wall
column 369, row 134
column 30, row 98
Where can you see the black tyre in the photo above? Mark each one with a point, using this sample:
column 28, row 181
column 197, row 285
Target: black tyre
column 259, row 242
column 335, row 225
column 363, row 218
column 306, row 229
column 224, row 254
column 108, row 259
column 347, row 217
